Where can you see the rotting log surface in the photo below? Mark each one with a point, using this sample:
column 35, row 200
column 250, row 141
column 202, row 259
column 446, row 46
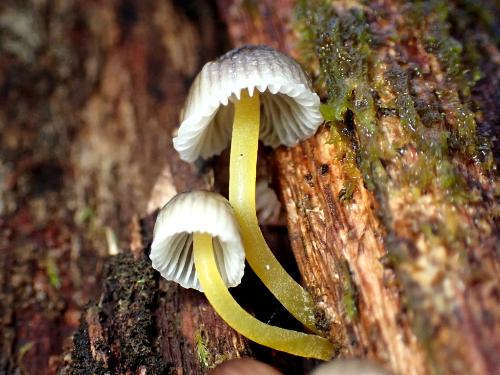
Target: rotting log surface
column 144, row 325
column 90, row 94
column 391, row 206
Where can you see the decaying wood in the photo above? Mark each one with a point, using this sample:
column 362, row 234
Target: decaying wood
column 340, row 245
column 393, row 233
column 90, row 95
column 424, row 311
column 143, row 324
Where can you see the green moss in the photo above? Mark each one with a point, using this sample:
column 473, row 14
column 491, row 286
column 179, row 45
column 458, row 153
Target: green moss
column 343, row 142
column 201, row 349
column 353, row 79
column 207, row 359
column 52, row 272
column 397, row 78
column 349, row 294
column 431, row 140
column 131, row 287
column 449, row 51
column 342, row 46
column 430, row 20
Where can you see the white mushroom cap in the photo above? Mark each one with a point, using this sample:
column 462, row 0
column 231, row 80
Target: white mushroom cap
column 290, row 108
column 172, row 247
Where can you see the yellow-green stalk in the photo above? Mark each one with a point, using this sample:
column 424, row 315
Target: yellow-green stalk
column 242, row 178
column 297, row 343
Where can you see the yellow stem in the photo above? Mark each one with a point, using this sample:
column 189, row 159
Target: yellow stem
column 242, row 178
column 293, row 342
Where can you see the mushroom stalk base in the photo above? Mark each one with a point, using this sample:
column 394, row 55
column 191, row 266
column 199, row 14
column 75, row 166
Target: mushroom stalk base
column 242, row 179
column 293, row 342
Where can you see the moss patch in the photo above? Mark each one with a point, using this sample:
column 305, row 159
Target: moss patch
column 126, row 316
column 208, row 360
column 82, row 361
column 349, row 294
column 342, row 46
column 201, row 348
column 132, row 287
column 397, row 86
column 353, row 82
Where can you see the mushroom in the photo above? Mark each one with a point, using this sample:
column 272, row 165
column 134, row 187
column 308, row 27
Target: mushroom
column 234, row 88
column 197, row 244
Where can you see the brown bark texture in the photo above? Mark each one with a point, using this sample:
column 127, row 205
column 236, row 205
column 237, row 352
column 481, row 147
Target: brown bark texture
column 90, row 94
column 391, row 208
column 396, row 238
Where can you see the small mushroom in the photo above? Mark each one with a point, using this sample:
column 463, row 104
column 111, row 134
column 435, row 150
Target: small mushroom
column 234, row 89
column 172, row 247
column 197, row 244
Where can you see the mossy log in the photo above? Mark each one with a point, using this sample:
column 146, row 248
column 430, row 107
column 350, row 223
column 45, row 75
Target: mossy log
column 143, row 324
column 392, row 208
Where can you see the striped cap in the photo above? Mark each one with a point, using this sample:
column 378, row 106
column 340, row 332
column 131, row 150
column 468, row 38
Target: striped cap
column 290, row 108
column 172, row 247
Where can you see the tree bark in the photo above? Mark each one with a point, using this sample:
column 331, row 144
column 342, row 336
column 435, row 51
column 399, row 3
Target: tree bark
column 391, row 206
column 90, row 95
column 145, row 325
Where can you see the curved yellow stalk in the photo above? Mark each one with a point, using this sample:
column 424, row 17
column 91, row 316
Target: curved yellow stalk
column 242, row 179
column 293, row 342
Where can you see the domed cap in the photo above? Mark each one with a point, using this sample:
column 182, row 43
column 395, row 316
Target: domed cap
column 172, row 248
column 290, row 108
